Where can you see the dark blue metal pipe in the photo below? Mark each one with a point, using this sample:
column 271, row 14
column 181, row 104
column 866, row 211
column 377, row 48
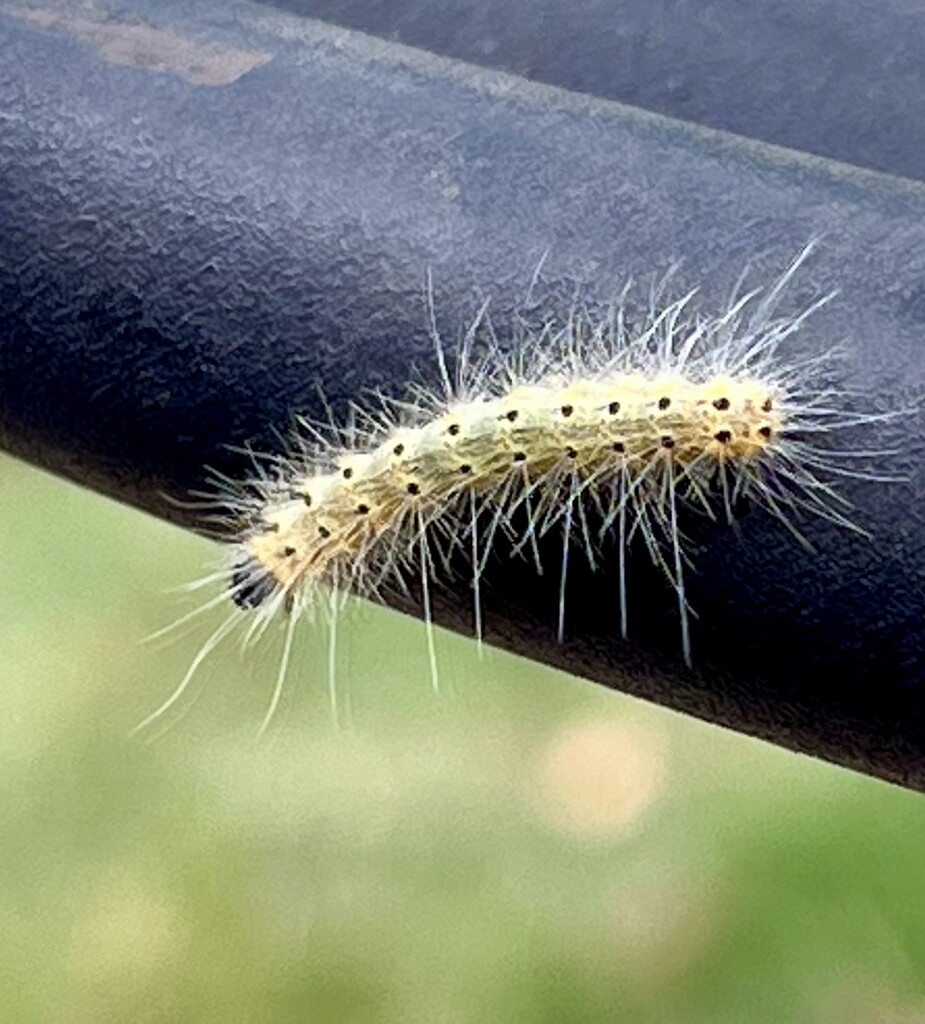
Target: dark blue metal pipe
column 207, row 210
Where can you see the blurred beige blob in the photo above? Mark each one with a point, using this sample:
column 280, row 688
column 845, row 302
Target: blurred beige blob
column 862, row 998
column 599, row 779
column 664, row 926
column 125, row 938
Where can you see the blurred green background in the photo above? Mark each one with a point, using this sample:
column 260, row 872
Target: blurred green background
column 522, row 847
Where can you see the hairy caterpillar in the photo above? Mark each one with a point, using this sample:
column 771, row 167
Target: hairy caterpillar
column 590, row 425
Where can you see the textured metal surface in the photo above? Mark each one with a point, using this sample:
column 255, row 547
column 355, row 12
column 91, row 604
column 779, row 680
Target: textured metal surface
column 193, row 237
column 839, row 78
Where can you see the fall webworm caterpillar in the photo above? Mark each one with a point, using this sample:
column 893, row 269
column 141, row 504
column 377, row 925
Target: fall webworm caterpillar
column 590, row 424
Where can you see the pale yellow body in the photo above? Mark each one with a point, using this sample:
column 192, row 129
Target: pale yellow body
column 591, row 428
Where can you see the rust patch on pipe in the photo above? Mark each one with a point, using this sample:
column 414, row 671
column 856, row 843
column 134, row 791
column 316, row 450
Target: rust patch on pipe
column 144, row 46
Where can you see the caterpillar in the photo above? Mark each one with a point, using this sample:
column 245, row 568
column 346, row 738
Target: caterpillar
column 591, row 425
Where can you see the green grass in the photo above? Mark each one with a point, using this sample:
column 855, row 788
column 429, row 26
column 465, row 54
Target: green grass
column 522, row 847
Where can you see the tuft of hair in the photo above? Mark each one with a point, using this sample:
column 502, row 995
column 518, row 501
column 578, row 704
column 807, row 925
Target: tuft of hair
column 590, row 424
